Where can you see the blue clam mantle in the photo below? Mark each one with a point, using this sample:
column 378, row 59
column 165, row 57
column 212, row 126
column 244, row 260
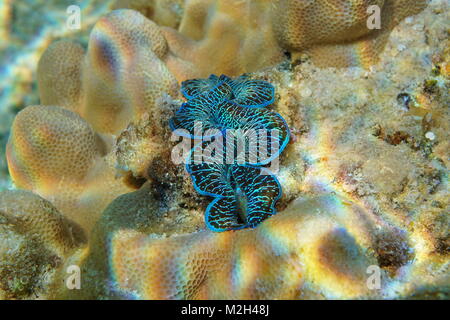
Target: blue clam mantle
column 226, row 114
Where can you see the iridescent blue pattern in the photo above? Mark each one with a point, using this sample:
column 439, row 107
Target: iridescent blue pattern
column 245, row 92
column 217, row 106
column 239, row 135
column 192, row 88
column 252, row 93
column 244, row 195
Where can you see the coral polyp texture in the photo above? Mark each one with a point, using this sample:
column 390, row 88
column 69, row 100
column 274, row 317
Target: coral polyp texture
column 305, row 249
column 35, row 241
column 118, row 80
column 343, row 39
column 250, row 43
column 318, row 248
column 65, row 149
column 191, row 39
column 233, row 36
column 56, row 154
column 124, row 76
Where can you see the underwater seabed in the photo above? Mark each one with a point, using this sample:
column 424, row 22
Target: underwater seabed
column 357, row 208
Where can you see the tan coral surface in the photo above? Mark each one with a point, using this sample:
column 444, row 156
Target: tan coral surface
column 68, row 156
column 234, row 36
column 35, row 240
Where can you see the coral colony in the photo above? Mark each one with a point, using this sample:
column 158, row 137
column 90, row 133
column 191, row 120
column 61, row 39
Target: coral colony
column 243, row 135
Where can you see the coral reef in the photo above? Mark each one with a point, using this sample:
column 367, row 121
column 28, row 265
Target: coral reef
column 151, row 209
column 118, row 80
column 364, row 177
column 57, row 154
column 344, row 39
column 256, row 32
column 69, row 159
column 26, row 30
column 333, row 33
column 59, row 75
column 164, row 12
column 304, row 251
column 124, row 75
column 250, row 46
column 353, row 135
column 317, row 248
